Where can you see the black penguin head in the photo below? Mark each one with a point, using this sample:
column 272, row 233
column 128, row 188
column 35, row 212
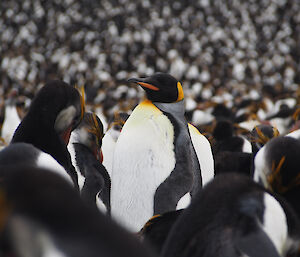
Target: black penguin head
column 119, row 120
column 261, row 134
column 223, row 130
column 161, row 87
column 58, row 105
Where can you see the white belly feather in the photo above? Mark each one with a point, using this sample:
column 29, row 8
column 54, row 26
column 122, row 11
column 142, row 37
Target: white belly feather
column 144, row 157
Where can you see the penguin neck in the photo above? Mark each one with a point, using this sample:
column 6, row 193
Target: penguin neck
column 176, row 109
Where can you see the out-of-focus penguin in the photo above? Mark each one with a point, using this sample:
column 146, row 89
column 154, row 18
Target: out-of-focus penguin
column 155, row 163
column 27, row 154
column 110, row 139
column 234, row 216
column 11, row 118
column 54, row 113
column 156, row 230
column 42, row 215
column 261, row 134
column 276, row 166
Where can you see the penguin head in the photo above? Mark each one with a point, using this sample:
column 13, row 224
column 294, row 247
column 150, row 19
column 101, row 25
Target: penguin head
column 90, row 133
column 60, row 106
column 161, row 87
column 261, row 134
column 224, row 129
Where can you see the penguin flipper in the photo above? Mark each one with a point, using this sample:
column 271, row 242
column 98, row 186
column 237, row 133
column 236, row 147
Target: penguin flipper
column 204, row 154
column 257, row 244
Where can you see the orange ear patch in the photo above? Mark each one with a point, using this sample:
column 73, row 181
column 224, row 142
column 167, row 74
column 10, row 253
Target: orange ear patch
column 180, row 92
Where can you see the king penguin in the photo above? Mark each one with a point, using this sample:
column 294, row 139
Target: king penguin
column 155, row 163
column 85, row 149
column 276, row 166
column 54, row 113
column 42, row 215
column 233, row 216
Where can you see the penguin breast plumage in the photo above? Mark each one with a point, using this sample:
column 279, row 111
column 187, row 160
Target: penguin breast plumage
column 144, row 157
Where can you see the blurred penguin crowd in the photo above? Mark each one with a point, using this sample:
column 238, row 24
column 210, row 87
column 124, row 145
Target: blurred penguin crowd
column 214, row 47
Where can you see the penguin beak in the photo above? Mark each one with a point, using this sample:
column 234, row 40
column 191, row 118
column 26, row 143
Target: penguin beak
column 143, row 84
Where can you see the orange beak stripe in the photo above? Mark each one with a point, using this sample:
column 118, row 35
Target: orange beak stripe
column 143, row 84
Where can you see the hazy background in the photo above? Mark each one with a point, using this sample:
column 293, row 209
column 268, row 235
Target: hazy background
column 232, row 45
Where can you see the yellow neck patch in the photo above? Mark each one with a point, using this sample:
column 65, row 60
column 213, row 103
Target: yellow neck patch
column 180, row 92
column 148, row 105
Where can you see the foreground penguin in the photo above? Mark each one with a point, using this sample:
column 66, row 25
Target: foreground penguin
column 42, row 216
column 56, row 110
column 155, row 163
column 27, row 154
column 85, row 149
column 156, row 230
column 233, row 217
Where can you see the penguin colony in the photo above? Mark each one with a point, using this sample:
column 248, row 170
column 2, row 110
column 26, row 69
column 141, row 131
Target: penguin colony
column 151, row 184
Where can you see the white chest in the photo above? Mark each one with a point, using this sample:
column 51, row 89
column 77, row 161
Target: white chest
column 144, row 157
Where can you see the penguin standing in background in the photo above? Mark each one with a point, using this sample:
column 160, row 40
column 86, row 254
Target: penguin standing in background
column 225, row 139
column 260, row 135
column 110, row 139
column 56, row 110
column 11, row 117
column 155, row 163
column 156, row 230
